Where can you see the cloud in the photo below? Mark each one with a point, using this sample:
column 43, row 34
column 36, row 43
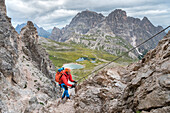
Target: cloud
column 56, row 15
column 56, row 18
column 158, row 14
column 50, row 13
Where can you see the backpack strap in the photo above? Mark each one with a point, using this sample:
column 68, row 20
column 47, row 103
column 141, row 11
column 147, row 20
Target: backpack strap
column 61, row 75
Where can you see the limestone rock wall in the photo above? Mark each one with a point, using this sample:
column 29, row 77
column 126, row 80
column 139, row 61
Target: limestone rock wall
column 26, row 73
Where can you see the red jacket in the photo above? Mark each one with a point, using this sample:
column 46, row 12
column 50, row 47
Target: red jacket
column 64, row 79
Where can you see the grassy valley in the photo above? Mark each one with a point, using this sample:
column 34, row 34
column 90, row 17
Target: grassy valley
column 63, row 53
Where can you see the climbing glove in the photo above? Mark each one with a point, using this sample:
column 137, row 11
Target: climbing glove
column 73, row 86
column 75, row 82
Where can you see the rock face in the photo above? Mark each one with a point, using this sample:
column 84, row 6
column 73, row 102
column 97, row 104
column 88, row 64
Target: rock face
column 40, row 30
column 80, row 24
column 143, row 86
column 55, row 34
column 26, row 73
column 8, row 43
column 134, row 30
column 34, row 51
column 115, row 33
column 85, row 20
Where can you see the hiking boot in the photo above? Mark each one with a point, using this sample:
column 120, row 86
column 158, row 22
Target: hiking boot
column 67, row 98
column 62, row 98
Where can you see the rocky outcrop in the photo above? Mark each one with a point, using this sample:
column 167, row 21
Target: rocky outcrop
column 140, row 87
column 34, row 51
column 55, row 34
column 26, row 73
column 40, row 30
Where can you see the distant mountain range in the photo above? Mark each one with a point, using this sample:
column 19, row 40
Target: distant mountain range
column 49, row 30
column 115, row 33
column 40, row 30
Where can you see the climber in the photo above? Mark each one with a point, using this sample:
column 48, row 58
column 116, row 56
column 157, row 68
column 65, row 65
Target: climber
column 63, row 83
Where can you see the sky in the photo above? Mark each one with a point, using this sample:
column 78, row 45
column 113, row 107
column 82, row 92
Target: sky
column 58, row 13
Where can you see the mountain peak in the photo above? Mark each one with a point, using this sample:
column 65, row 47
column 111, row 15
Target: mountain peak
column 145, row 19
column 56, row 28
column 85, row 20
column 88, row 13
column 146, row 22
column 118, row 12
column 55, row 34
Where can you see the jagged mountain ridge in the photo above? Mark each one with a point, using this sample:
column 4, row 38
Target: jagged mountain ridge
column 92, row 30
column 40, row 30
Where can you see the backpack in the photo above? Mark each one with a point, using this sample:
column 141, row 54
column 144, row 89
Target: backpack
column 59, row 74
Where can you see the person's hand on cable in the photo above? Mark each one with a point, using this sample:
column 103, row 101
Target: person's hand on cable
column 75, row 82
column 73, row 86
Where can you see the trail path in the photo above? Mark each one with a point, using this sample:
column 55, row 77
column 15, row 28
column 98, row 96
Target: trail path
column 60, row 106
column 67, row 107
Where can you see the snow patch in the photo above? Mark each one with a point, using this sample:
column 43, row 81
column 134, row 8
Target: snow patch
column 134, row 44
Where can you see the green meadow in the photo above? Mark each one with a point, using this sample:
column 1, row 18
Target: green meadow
column 63, row 53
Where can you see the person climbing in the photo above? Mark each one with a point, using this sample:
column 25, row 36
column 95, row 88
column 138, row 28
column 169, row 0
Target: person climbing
column 63, row 81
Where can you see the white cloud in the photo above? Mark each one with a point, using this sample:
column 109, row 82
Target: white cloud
column 158, row 14
column 50, row 13
column 57, row 14
column 57, row 18
column 148, row 13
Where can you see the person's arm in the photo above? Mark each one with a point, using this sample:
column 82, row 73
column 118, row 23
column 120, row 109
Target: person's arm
column 65, row 81
column 70, row 78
